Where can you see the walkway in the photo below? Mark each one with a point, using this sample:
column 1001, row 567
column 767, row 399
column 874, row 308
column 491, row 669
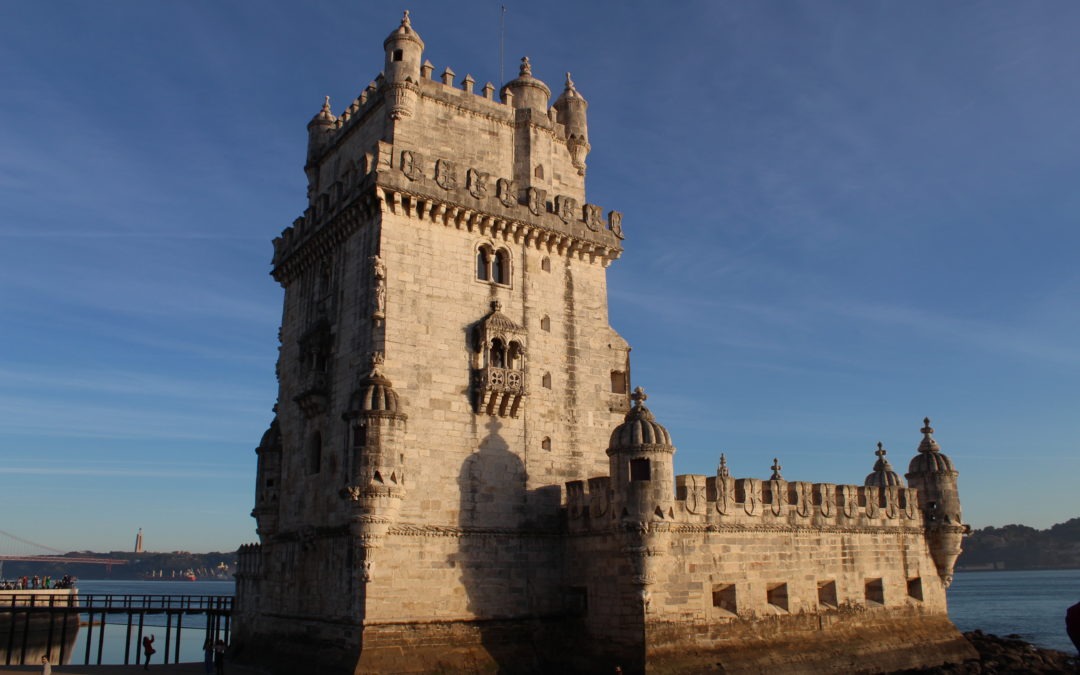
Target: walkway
column 155, row 669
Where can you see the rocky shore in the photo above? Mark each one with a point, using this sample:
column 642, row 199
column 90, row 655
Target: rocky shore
column 1009, row 654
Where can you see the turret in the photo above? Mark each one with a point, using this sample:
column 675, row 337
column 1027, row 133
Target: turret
column 570, row 112
column 640, row 457
column 319, row 129
column 404, row 54
column 883, row 475
column 933, row 475
column 376, row 475
column 527, row 92
column 268, row 481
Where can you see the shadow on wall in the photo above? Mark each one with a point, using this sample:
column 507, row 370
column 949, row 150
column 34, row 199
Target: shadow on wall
column 496, row 567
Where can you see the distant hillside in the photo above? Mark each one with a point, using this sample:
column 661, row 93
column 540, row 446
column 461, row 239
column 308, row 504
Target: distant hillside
column 139, row 565
column 1019, row 547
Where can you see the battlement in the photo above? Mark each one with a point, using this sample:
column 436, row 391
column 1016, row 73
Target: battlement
column 718, row 503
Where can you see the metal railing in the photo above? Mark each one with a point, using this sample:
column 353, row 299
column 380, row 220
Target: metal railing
column 58, row 616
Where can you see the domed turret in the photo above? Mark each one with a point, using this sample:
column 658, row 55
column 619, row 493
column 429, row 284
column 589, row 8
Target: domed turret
column 376, row 474
column 401, row 71
column 268, row 480
column 883, row 475
column 318, row 129
column 933, row 475
column 640, row 457
column 570, row 112
column 528, row 92
column 375, row 395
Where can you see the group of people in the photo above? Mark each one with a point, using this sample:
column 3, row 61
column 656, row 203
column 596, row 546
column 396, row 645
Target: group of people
column 37, row 583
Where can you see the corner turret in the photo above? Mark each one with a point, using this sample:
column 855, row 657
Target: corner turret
column 527, row 92
column 570, row 112
column 376, row 476
column 931, row 472
column 318, row 127
column 640, row 458
column 404, row 54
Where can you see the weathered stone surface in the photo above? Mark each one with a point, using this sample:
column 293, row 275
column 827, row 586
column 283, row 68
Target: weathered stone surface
column 458, row 479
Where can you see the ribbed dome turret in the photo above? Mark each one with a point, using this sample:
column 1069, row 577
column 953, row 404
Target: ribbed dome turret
column 403, row 32
column 271, row 440
column 324, row 118
column 528, row 91
column 883, row 475
column 930, row 458
column 375, row 395
column 640, row 428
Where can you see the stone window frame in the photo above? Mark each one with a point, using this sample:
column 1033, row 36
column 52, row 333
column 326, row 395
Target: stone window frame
column 874, row 592
column 493, row 265
column 314, row 457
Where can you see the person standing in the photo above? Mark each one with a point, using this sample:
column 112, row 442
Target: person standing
column 46, row 666
column 208, row 654
column 219, row 657
column 148, row 651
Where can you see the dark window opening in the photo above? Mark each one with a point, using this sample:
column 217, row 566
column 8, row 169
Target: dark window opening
column 875, row 592
column 545, row 264
column 359, row 436
column 482, row 264
column 545, row 381
column 538, row 172
column 545, row 444
column 398, row 55
column 640, row 470
column 914, row 588
column 777, row 596
column 826, row 594
column 723, row 598
column 545, row 324
column 498, row 354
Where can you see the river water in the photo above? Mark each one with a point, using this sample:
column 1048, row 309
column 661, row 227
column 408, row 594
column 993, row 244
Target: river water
column 1030, row 604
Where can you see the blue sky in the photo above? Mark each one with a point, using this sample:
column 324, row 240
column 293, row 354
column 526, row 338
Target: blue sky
column 841, row 217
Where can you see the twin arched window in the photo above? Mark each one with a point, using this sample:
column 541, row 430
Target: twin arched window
column 493, row 265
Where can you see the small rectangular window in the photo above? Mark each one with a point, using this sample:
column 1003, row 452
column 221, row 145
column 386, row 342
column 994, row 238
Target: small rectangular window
column 875, row 592
column 826, row 594
column 777, row 596
column 914, row 588
column 398, row 55
column 724, row 598
column 639, row 470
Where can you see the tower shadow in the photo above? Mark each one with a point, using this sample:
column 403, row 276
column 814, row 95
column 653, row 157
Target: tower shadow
column 493, row 562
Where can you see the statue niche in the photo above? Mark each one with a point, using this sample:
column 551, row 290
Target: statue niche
column 499, row 364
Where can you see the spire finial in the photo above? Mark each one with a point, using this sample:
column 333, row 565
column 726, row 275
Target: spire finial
column 526, row 67
column 776, row 469
column 880, row 450
column 722, row 470
column 569, row 82
column 927, row 429
column 638, row 397
column 326, row 104
column 405, row 20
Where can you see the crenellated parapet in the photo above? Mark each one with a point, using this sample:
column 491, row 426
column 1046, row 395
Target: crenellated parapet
column 722, row 502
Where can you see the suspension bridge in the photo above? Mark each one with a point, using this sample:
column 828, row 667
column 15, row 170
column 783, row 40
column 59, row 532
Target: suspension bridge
column 18, row 549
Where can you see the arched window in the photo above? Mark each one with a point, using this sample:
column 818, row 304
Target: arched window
column 315, row 453
column 498, row 354
column 545, row 264
column 483, row 257
column 513, row 356
column 359, row 436
column 545, row 444
column 545, row 381
column 545, row 323
column 538, row 172
column 493, row 265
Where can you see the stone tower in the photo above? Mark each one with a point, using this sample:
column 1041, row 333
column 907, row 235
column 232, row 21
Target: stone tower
column 455, row 479
column 445, row 362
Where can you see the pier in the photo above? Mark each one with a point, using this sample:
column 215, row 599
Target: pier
column 37, row 622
